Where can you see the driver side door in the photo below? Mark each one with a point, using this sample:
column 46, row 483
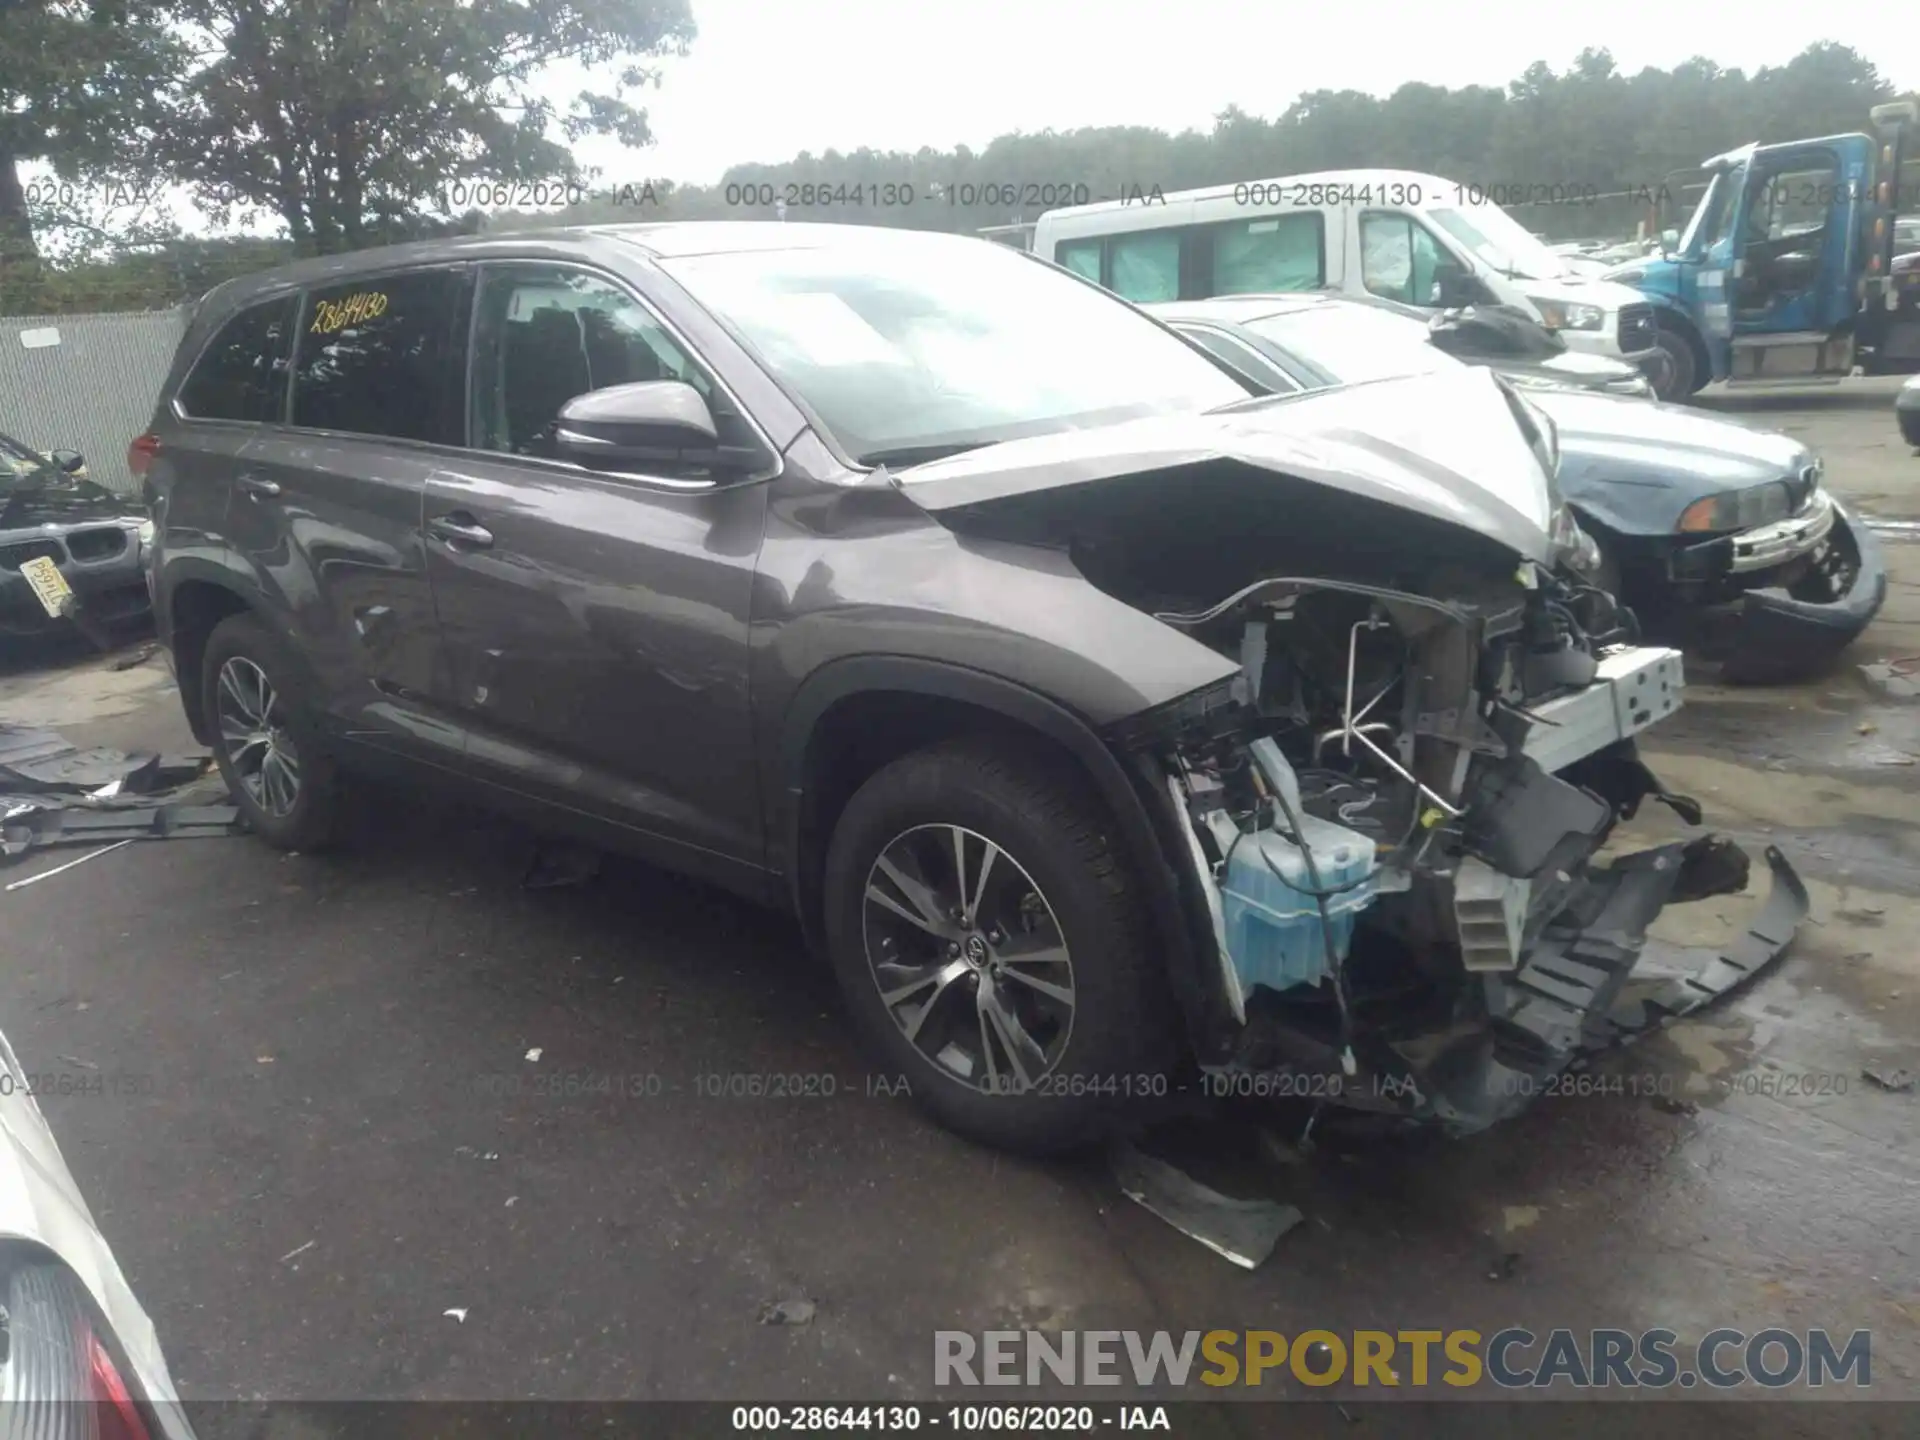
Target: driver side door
column 1792, row 235
column 594, row 624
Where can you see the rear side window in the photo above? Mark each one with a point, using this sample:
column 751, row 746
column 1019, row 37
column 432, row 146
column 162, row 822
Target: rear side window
column 1273, row 253
column 1146, row 266
column 379, row 356
column 242, row 374
column 1080, row 256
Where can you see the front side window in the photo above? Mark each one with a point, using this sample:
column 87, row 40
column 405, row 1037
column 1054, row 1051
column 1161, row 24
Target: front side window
column 546, row 334
column 242, row 374
column 1398, row 259
column 1274, row 253
column 376, row 356
column 903, row 342
column 1795, row 203
column 1146, row 266
column 1080, row 256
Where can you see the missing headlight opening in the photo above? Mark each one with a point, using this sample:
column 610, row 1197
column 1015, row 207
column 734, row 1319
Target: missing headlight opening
column 1393, row 814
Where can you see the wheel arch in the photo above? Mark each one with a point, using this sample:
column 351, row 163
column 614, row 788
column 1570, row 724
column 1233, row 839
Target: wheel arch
column 195, row 605
column 857, row 714
column 1672, row 317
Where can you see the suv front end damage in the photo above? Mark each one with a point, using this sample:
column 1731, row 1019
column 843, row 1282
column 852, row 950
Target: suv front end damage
column 1385, row 820
column 1395, row 839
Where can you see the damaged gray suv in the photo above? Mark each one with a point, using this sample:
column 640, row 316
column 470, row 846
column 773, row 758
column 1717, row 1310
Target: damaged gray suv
column 1107, row 727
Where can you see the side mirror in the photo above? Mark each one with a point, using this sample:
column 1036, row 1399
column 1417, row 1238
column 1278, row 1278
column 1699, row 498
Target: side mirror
column 647, row 425
column 1669, row 242
column 71, row 461
column 1455, row 288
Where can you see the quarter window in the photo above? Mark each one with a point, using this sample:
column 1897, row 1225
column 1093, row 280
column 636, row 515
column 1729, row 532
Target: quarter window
column 242, row 374
column 546, row 334
column 375, row 356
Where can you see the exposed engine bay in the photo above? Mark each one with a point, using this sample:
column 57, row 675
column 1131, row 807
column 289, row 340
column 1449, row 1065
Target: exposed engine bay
column 1391, row 817
column 1384, row 820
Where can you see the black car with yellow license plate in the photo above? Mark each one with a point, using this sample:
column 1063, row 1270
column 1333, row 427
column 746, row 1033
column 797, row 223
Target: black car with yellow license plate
column 95, row 539
column 1717, row 534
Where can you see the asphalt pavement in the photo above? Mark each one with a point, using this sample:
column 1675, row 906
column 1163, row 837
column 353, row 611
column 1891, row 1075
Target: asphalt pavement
column 388, row 1124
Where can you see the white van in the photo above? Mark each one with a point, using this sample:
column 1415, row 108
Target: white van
column 1418, row 239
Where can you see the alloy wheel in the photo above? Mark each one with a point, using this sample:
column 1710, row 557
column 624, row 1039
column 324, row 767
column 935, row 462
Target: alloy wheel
column 969, row 958
column 252, row 729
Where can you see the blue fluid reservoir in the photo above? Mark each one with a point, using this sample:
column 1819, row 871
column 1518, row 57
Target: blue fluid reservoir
column 1274, row 934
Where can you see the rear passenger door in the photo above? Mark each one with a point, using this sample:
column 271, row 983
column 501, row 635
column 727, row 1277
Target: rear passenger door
column 326, row 507
column 596, row 623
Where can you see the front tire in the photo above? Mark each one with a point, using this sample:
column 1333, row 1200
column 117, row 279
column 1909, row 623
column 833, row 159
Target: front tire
column 993, row 947
column 1673, row 370
column 264, row 740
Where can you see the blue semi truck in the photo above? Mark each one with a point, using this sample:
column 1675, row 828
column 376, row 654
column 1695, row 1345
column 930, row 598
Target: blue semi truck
column 1792, row 265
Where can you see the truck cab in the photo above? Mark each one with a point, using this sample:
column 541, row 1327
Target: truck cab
column 1785, row 270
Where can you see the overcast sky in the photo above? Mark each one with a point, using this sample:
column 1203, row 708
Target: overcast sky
column 767, row 79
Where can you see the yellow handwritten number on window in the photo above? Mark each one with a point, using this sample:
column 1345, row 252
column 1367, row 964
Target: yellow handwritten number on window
column 332, row 315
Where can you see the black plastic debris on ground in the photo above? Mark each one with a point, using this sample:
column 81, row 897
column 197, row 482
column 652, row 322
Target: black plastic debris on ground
column 53, row 792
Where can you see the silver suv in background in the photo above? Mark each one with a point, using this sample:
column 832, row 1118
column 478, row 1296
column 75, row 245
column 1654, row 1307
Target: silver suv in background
column 1100, row 721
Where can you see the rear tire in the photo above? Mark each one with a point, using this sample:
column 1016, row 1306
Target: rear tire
column 264, row 739
column 1007, row 857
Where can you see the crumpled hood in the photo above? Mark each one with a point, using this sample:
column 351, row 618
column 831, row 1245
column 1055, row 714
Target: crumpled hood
column 1444, row 445
column 1612, row 446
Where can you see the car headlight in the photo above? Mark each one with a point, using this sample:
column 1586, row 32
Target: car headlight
column 1564, row 315
column 1738, row 509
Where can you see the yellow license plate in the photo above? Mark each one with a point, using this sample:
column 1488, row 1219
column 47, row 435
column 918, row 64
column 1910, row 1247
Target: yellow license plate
column 48, row 584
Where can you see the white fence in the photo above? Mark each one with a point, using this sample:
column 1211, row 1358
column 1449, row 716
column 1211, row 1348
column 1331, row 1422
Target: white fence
column 86, row 383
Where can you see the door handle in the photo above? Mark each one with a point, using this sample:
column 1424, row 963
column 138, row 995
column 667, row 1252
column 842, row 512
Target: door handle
column 460, row 528
column 258, row 488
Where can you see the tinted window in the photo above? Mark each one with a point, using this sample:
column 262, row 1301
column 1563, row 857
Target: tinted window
column 1276, row 252
column 377, row 357
column 546, row 334
column 1146, row 266
column 1080, row 256
column 242, row 375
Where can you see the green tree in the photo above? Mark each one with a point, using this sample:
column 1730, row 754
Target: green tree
column 81, row 90
column 349, row 118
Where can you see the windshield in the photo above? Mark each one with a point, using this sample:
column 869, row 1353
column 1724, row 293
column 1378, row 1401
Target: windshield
column 1500, row 241
column 1354, row 343
column 1705, row 226
column 17, row 462
column 907, row 350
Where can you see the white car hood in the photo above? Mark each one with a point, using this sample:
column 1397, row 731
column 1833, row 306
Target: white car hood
column 1445, row 445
